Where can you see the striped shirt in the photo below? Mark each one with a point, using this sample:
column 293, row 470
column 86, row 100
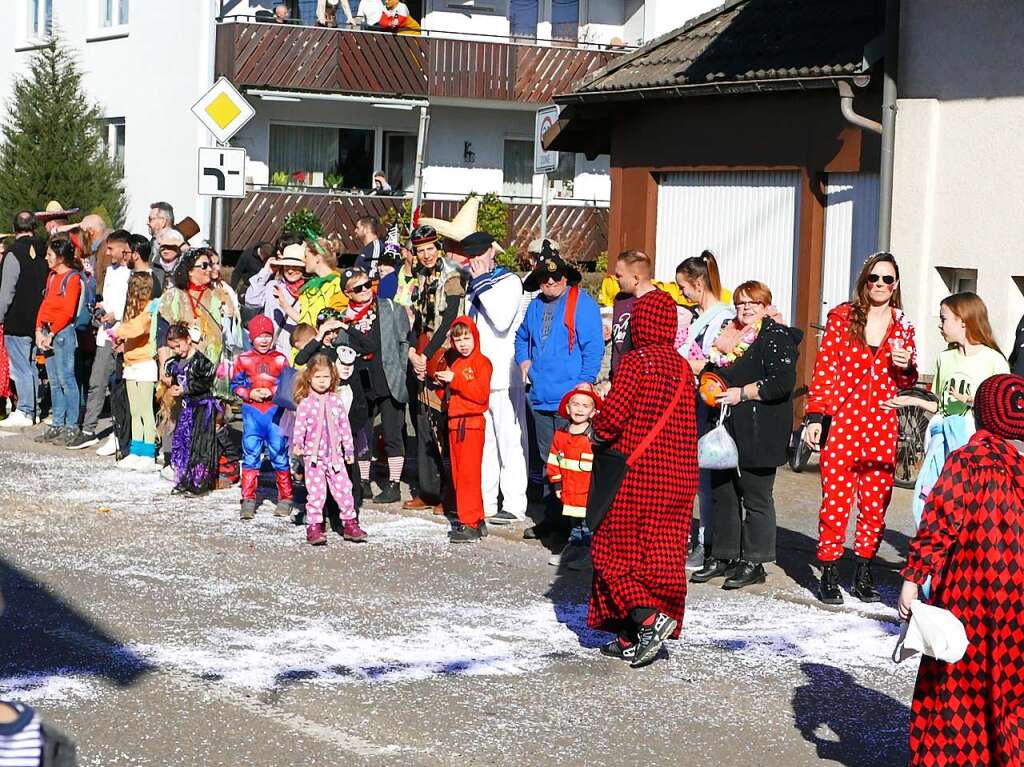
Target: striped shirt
column 21, row 741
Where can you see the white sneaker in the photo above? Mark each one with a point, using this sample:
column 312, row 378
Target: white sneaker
column 16, row 420
column 145, row 465
column 168, row 473
column 109, row 447
column 129, row 462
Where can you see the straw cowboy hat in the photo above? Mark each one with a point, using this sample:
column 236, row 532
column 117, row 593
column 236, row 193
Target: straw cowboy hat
column 293, row 255
column 54, row 210
column 460, row 227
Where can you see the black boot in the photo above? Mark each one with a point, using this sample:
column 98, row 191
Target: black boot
column 863, row 586
column 713, row 568
column 390, row 492
column 366, row 489
column 746, row 574
column 828, row 589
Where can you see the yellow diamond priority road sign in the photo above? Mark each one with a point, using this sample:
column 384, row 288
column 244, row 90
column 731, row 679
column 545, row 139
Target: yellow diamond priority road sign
column 223, row 110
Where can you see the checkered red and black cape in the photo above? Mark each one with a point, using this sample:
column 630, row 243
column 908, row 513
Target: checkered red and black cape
column 639, row 551
column 971, row 541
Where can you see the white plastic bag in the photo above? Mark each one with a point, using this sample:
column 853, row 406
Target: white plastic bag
column 717, row 449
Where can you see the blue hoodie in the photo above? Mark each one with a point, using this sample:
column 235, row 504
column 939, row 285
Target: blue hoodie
column 556, row 370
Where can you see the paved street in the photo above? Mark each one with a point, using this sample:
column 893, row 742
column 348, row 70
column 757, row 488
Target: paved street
column 167, row 632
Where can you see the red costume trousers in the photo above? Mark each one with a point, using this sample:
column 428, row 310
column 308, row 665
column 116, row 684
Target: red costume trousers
column 466, row 446
column 857, row 466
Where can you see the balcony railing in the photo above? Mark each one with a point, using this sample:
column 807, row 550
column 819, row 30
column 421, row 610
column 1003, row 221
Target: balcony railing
column 321, row 60
column 581, row 231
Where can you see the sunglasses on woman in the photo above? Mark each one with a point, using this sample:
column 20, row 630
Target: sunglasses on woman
column 362, row 286
column 204, row 265
column 887, row 279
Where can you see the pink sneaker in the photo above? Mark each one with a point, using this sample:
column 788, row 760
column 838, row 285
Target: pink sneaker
column 351, row 531
column 315, row 535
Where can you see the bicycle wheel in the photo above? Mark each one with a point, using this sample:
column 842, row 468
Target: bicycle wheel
column 913, row 428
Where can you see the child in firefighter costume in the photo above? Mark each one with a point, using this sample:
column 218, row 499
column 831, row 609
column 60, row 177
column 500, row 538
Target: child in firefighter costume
column 867, row 355
column 570, row 463
column 255, row 381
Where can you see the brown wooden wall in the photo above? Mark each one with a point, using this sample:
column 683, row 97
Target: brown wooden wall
column 582, row 232
column 346, row 61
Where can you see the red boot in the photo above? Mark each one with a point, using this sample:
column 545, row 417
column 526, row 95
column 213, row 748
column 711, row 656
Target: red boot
column 284, row 493
column 351, row 531
column 315, row 535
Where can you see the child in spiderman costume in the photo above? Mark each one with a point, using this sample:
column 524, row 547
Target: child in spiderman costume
column 255, row 380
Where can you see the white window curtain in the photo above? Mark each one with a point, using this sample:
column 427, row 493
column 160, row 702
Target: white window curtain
column 297, row 148
column 518, row 168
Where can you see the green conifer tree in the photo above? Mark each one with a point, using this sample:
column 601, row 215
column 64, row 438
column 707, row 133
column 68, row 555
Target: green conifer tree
column 51, row 142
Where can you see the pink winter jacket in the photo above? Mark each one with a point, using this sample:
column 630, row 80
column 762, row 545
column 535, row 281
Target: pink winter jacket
column 322, row 433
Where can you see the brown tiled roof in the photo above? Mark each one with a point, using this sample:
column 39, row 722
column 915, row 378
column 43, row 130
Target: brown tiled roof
column 748, row 44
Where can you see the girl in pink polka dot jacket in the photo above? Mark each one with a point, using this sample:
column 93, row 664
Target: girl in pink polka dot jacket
column 867, row 355
column 323, row 439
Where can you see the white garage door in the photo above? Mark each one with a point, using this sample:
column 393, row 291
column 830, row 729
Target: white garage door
column 747, row 219
column 851, row 234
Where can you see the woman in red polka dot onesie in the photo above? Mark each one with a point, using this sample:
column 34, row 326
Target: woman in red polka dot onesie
column 867, row 355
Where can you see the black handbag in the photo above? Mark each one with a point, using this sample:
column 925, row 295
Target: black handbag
column 611, row 466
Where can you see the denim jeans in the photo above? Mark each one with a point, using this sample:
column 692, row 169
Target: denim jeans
column 60, row 370
column 545, row 423
column 22, row 352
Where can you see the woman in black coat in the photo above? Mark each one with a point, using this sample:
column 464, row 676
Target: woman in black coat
column 756, row 358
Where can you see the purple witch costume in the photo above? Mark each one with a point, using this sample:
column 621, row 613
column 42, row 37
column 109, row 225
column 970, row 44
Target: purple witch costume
column 194, row 446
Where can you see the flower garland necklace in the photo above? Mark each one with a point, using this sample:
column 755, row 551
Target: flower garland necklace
column 722, row 358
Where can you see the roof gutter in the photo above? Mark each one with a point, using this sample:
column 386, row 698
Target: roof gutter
column 889, row 96
column 730, row 87
column 846, row 107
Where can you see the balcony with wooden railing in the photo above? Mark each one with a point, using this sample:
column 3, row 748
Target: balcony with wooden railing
column 284, row 57
column 581, row 230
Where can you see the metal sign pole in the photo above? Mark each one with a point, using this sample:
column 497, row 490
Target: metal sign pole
column 421, row 147
column 544, row 207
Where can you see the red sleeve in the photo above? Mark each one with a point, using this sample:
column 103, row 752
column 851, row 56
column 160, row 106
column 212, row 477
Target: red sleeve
column 476, row 386
column 554, row 469
column 940, row 522
column 59, row 310
column 826, row 373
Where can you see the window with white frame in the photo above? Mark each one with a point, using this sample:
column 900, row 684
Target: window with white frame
column 38, row 18
column 112, row 13
column 113, row 135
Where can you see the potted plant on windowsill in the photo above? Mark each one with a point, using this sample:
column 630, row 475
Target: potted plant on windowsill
column 333, row 181
column 279, row 180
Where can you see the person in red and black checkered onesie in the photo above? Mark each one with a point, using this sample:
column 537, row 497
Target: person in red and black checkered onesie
column 971, row 542
column 639, row 550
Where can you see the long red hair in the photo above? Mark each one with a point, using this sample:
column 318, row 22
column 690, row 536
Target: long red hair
column 969, row 308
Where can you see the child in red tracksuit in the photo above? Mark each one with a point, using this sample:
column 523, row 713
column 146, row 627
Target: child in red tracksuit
column 571, row 461
column 468, row 393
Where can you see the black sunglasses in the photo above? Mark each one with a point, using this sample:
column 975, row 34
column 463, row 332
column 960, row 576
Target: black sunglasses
column 205, row 265
column 887, row 279
column 359, row 288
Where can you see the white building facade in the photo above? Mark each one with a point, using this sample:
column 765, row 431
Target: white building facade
column 146, row 62
column 959, row 190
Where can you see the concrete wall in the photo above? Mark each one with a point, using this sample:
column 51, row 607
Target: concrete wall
column 958, row 181
column 150, row 74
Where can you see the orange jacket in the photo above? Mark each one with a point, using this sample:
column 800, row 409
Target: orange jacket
column 59, row 309
column 469, row 393
column 570, row 464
